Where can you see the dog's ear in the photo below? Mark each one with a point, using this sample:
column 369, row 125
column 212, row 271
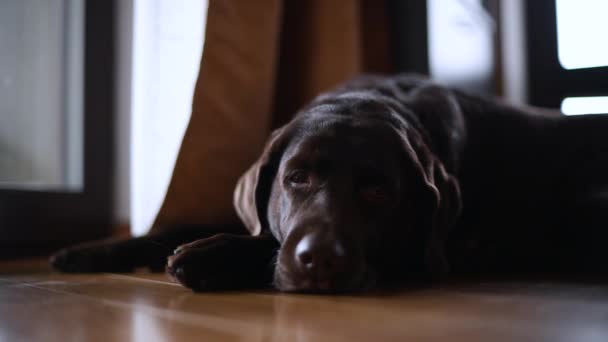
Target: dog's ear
column 438, row 203
column 252, row 191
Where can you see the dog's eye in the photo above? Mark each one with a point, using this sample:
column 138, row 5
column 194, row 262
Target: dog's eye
column 298, row 178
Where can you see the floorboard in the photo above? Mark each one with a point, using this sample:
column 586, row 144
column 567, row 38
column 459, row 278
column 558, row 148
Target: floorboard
column 38, row 305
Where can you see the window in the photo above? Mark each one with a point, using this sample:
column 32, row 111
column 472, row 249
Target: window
column 56, row 129
column 585, row 105
column 450, row 40
column 567, row 56
column 41, row 97
column 581, row 33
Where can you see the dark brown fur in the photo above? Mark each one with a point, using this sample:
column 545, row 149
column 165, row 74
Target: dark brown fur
column 390, row 179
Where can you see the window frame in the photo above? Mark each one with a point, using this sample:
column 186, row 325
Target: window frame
column 548, row 82
column 34, row 222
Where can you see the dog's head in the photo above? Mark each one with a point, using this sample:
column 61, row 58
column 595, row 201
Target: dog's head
column 353, row 195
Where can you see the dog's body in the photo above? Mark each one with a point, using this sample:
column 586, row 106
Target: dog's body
column 395, row 178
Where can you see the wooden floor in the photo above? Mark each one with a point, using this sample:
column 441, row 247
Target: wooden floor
column 36, row 305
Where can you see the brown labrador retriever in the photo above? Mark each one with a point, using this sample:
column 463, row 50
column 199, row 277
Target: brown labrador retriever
column 392, row 179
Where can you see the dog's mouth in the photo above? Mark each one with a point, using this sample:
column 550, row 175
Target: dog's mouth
column 358, row 277
column 288, row 284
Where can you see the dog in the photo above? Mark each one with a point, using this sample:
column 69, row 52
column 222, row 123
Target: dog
column 394, row 179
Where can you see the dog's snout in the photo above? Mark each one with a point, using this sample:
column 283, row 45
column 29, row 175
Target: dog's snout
column 318, row 256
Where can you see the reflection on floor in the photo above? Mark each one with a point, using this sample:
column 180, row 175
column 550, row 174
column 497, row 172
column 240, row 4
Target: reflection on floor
column 42, row 306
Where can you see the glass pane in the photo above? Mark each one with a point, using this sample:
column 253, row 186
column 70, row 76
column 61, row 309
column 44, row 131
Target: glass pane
column 585, row 105
column 41, row 132
column 582, row 29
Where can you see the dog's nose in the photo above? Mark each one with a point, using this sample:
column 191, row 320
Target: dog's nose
column 319, row 256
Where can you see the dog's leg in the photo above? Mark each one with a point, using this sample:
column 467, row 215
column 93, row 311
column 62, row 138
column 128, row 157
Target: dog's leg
column 224, row 262
column 124, row 255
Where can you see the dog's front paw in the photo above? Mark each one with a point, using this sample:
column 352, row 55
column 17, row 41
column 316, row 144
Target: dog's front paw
column 221, row 262
column 95, row 257
column 203, row 265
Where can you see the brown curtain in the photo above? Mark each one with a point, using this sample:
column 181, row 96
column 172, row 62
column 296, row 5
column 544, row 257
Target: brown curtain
column 262, row 60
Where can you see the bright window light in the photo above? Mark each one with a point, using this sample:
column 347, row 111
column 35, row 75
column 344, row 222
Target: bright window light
column 167, row 43
column 460, row 43
column 585, row 105
column 582, row 29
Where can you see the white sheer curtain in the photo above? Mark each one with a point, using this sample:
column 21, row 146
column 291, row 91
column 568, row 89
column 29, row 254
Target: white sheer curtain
column 166, row 49
column 461, row 51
